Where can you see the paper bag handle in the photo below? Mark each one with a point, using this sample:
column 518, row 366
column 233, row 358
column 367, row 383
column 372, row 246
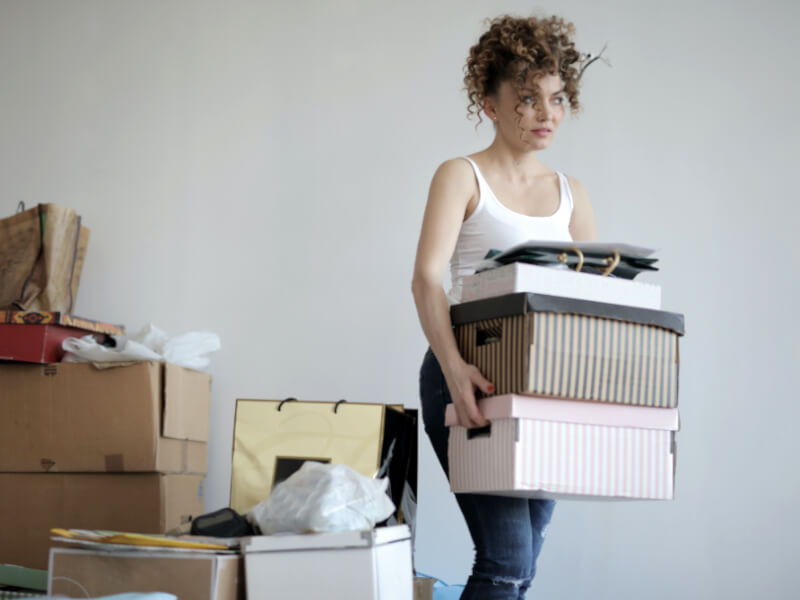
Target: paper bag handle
column 285, row 401
column 562, row 258
column 612, row 262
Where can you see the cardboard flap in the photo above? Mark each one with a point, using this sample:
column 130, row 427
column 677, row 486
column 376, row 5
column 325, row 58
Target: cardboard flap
column 186, row 403
column 512, row 406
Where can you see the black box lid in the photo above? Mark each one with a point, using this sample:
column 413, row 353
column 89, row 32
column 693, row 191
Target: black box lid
column 522, row 303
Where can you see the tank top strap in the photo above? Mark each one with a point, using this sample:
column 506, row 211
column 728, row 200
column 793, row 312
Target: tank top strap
column 566, row 204
column 483, row 186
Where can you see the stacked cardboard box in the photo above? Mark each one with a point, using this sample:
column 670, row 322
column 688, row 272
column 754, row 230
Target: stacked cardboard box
column 587, row 391
column 76, row 573
column 122, row 448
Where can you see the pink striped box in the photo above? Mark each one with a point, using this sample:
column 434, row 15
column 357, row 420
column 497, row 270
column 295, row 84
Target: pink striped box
column 544, row 448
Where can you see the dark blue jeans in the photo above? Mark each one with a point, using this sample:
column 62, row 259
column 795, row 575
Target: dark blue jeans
column 507, row 532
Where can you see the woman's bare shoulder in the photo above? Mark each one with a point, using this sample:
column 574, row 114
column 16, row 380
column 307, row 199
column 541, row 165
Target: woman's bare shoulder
column 454, row 186
column 455, row 179
column 582, row 224
column 455, row 170
column 577, row 187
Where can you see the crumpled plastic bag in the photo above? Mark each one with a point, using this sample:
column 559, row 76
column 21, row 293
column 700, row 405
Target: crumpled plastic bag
column 322, row 498
column 151, row 343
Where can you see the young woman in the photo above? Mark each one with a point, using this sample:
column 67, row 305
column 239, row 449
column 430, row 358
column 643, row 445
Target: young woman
column 521, row 75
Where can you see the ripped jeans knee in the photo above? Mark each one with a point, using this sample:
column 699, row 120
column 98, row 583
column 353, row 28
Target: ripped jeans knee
column 514, row 582
column 486, row 585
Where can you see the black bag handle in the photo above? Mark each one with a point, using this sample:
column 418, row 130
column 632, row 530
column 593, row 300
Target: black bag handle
column 290, row 399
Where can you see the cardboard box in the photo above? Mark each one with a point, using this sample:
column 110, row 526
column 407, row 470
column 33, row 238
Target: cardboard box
column 74, row 573
column 522, row 277
column 37, row 336
column 350, row 565
column 575, row 349
column 72, row 417
column 31, row 504
column 544, row 448
column 423, row 588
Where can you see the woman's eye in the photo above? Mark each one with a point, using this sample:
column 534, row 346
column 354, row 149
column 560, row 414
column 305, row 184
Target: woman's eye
column 559, row 100
column 527, row 99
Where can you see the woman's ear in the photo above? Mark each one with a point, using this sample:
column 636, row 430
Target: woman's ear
column 490, row 108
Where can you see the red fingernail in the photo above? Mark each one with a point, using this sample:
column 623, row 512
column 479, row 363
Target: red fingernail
column 491, row 388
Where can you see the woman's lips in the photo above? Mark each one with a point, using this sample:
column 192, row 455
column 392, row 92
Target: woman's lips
column 541, row 132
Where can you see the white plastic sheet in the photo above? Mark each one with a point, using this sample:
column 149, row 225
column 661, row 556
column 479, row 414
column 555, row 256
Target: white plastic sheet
column 189, row 350
column 321, row 497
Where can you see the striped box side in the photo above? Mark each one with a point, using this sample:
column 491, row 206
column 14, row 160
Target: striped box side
column 595, row 460
column 563, row 459
column 590, row 358
column 483, row 464
column 499, row 348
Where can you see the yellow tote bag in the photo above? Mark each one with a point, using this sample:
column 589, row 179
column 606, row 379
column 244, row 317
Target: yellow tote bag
column 272, row 438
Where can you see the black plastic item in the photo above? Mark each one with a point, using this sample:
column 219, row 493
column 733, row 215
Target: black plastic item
column 224, row 522
column 586, row 261
column 399, row 460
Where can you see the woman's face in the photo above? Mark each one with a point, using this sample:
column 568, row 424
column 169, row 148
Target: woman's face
column 531, row 115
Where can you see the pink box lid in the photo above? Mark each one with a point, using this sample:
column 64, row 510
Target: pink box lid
column 510, row 406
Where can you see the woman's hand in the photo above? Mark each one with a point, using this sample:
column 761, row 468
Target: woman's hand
column 462, row 380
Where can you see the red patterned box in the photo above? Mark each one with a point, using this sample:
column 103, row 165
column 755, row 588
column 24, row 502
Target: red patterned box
column 36, row 337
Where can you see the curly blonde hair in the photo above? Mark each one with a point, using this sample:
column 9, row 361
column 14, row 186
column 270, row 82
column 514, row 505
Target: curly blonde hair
column 514, row 49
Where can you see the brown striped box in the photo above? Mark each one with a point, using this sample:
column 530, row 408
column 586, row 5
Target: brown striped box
column 574, row 349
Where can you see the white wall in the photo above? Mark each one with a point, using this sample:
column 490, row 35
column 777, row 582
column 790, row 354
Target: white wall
column 259, row 169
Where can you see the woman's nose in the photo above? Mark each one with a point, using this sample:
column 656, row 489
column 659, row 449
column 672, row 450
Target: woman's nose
column 543, row 111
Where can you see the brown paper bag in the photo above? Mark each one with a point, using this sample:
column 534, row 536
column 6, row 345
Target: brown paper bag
column 42, row 250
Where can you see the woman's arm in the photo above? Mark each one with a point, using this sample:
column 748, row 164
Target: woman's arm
column 581, row 226
column 452, row 188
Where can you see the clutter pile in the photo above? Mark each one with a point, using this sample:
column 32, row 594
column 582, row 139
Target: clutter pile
column 107, row 434
column 310, row 490
column 119, row 446
column 585, row 368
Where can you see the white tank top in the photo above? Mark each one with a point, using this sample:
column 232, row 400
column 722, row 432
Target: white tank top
column 495, row 226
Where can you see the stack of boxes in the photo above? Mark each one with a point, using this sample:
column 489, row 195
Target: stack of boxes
column 123, row 447
column 587, row 390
